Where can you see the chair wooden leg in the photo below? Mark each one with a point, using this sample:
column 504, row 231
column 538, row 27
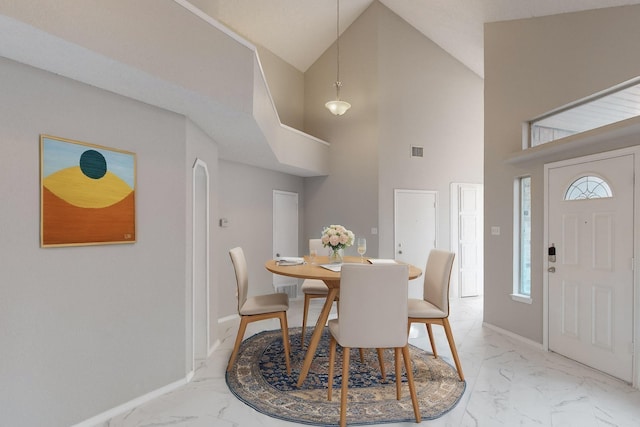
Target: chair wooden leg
column 452, row 345
column 304, row 318
column 332, row 359
column 412, row 386
column 236, row 346
column 431, row 340
column 285, row 339
column 398, row 373
column 361, row 355
column 381, row 361
column 345, row 385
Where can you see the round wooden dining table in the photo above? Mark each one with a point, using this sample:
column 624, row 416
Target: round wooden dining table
column 332, row 280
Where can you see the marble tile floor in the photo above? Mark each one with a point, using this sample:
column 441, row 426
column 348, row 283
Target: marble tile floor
column 509, row 383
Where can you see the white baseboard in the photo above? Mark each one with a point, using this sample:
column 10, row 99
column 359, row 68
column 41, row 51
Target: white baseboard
column 514, row 336
column 107, row 415
column 102, row 418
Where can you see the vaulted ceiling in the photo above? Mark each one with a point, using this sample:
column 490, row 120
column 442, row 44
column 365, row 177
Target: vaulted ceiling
column 299, row 31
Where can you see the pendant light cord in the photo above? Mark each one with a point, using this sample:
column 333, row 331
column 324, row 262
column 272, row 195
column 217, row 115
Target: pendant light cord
column 337, row 107
column 338, row 82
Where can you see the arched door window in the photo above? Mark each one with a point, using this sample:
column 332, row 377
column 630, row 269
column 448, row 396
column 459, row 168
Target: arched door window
column 588, row 187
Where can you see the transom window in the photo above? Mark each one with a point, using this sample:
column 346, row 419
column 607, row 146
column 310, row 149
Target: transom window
column 618, row 103
column 588, row 187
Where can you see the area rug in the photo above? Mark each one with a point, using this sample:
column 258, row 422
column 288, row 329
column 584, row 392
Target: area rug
column 259, row 378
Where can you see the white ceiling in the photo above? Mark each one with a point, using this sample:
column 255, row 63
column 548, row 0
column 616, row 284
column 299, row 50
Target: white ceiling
column 299, row 31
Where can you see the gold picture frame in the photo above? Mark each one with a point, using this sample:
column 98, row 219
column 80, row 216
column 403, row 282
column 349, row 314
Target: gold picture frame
column 87, row 194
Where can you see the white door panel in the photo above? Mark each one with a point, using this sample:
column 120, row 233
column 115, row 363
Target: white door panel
column 469, row 265
column 591, row 291
column 415, row 230
column 285, row 230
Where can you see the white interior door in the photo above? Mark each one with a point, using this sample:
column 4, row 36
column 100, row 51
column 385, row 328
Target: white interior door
column 285, row 231
column 415, row 225
column 467, row 239
column 590, row 284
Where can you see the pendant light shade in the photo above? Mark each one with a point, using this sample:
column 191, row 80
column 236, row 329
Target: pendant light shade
column 338, row 107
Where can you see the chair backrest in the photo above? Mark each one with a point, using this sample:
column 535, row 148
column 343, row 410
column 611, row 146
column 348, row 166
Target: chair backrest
column 317, row 245
column 437, row 276
column 373, row 305
column 242, row 277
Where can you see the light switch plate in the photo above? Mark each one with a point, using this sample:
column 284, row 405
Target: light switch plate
column 495, row 230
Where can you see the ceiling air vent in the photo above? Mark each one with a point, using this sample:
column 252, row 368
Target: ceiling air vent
column 416, row 151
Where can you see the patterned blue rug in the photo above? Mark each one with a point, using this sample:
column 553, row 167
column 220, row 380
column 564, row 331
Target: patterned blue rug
column 259, row 378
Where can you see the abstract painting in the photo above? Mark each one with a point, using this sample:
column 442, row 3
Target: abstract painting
column 87, row 194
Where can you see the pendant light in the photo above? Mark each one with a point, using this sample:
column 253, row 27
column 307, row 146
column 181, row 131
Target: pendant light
column 338, row 107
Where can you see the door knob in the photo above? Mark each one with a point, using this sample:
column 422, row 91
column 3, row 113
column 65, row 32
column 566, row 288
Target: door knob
column 551, row 269
column 277, row 255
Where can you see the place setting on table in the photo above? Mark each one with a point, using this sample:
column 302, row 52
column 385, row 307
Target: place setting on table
column 259, row 376
column 336, row 238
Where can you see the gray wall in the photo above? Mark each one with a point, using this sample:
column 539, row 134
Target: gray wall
column 429, row 99
column 404, row 91
column 87, row 328
column 349, row 195
column 246, row 200
column 286, row 85
column 533, row 66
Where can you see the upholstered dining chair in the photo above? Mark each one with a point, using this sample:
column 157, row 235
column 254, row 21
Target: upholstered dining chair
column 373, row 314
column 312, row 288
column 261, row 307
column 433, row 309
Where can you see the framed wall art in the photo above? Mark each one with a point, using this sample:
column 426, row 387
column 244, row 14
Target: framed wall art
column 87, row 194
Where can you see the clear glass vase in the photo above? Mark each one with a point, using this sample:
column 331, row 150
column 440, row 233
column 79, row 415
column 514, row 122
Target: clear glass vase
column 335, row 256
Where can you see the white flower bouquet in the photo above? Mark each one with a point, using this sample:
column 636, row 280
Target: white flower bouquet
column 337, row 237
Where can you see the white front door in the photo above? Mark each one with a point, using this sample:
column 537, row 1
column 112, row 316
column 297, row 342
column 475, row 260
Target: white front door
column 590, row 284
column 466, row 239
column 285, row 231
column 415, row 225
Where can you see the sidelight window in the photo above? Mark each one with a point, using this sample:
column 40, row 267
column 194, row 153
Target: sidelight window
column 522, row 240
